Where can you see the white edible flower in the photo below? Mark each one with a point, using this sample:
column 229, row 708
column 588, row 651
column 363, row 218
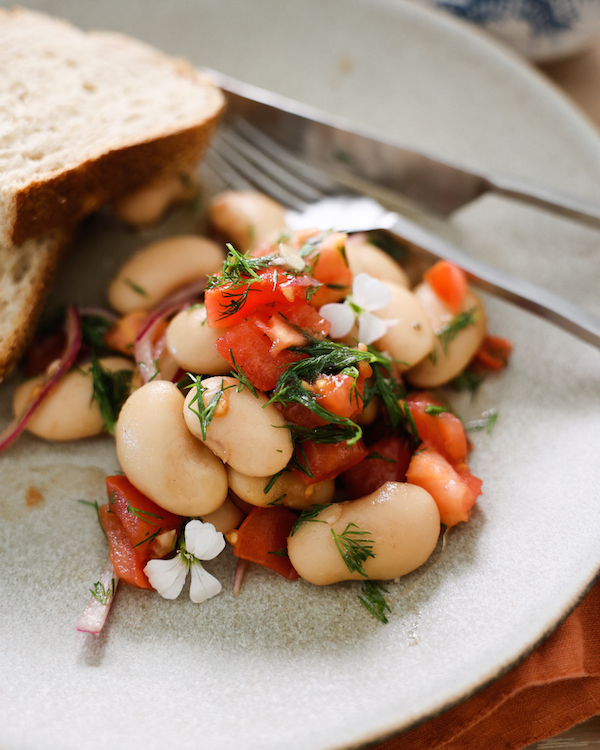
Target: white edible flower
column 202, row 542
column 368, row 294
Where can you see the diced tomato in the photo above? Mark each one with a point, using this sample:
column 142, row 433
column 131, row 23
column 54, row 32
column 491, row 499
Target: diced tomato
column 301, row 415
column 262, row 539
column 250, row 347
column 443, row 432
column 142, row 519
column 307, row 318
column 341, row 394
column 387, row 461
column 229, row 304
column 121, row 337
column 330, row 267
column 494, row 352
column 448, row 282
column 454, row 489
column 326, row 460
column 127, row 564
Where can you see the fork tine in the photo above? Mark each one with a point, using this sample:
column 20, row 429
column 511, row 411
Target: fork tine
column 253, row 174
column 224, row 173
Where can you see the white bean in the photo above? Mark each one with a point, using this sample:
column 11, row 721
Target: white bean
column 147, row 205
column 162, row 458
column 448, row 358
column 68, row 412
column 244, row 432
column 288, row 490
column 193, row 344
column 399, row 521
column 226, row 518
column 161, row 268
column 246, row 218
column 364, row 257
column 411, row 336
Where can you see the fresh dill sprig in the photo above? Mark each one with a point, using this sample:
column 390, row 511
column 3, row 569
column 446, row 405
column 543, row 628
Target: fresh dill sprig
column 309, row 516
column 238, row 373
column 103, row 594
column 487, row 422
column 271, row 482
column 144, row 515
column 388, row 389
column 409, row 422
column 329, row 433
column 434, row 410
column 354, row 547
column 455, row 326
column 93, row 329
column 151, row 537
column 279, row 553
column 278, row 499
column 204, row 412
column 110, row 390
column 374, row 601
column 378, row 456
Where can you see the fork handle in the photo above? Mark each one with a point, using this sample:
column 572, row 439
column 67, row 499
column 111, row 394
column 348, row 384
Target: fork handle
column 521, row 293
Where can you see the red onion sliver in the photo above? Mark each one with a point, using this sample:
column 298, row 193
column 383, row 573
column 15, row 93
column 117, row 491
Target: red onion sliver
column 53, row 374
column 144, row 349
column 94, row 615
column 240, row 571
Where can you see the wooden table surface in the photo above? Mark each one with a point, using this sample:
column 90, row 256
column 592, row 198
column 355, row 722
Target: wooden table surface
column 579, row 77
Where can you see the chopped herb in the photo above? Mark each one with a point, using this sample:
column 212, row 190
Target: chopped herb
column 374, row 601
column 468, row 381
column 354, row 547
column 205, row 413
column 410, row 423
column 239, row 374
column 136, row 287
column 272, row 481
column 93, row 328
column 102, row 594
column 435, row 410
column 142, row 514
column 110, row 390
column 309, row 516
column 280, row 553
column 455, row 326
column 486, row 423
column 378, row 456
column 150, row 538
column 277, row 499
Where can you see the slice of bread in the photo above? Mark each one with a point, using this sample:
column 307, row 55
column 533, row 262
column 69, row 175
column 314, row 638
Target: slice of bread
column 88, row 118
column 26, row 274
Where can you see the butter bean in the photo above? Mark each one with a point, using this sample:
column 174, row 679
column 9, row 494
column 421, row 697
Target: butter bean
column 226, row 518
column 447, row 361
column 193, row 344
column 68, row 412
column 288, row 490
column 147, row 205
column 244, row 431
column 159, row 269
column 246, row 218
column 364, row 257
column 161, row 457
column 401, row 520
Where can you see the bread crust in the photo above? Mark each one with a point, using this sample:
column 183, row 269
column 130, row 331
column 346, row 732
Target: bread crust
column 32, row 300
column 71, row 195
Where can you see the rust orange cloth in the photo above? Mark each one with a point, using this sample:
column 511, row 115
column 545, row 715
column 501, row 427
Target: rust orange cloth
column 555, row 687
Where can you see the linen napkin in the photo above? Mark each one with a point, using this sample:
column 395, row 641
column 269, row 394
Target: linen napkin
column 555, row 687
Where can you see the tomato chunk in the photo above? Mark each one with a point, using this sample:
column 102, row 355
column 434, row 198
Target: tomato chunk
column 454, row 489
column 231, row 302
column 494, row 352
column 322, row 461
column 262, row 539
column 387, row 461
column 443, row 431
column 142, row 519
column 342, row 394
column 330, row 267
column 448, row 282
column 127, row 564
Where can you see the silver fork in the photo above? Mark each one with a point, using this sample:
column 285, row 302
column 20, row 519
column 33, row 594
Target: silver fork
column 245, row 158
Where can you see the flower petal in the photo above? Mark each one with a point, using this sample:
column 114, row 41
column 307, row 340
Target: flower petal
column 371, row 328
column 203, row 585
column 340, row 316
column 166, row 576
column 203, row 541
column 369, row 293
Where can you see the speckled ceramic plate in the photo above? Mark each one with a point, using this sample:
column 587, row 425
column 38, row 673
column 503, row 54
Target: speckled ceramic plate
column 292, row 665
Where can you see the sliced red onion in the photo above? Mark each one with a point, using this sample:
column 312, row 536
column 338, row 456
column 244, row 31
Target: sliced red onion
column 54, row 373
column 145, row 351
column 94, row 615
column 240, row 572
